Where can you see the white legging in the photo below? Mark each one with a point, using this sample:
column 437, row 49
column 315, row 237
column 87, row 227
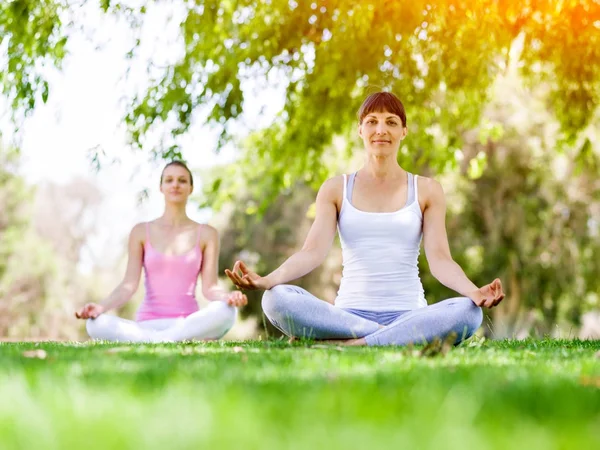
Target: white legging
column 211, row 322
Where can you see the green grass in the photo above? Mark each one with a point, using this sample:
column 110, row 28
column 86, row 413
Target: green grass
column 271, row 395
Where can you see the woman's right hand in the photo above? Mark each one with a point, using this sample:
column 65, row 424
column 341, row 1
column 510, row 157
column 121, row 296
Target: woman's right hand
column 90, row 311
column 246, row 279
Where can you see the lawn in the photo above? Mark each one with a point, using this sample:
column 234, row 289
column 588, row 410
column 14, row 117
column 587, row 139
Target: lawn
column 272, row 395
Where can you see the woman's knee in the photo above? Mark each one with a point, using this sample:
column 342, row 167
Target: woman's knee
column 273, row 300
column 226, row 313
column 94, row 327
column 471, row 315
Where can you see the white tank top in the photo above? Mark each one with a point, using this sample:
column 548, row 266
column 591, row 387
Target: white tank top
column 379, row 254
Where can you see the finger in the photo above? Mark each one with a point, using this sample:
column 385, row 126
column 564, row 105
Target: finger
column 235, row 278
column 498, row 284
column 498, row 293
column 479, row 301
column 240, row 300
column 244, row 268
column 229, row 274
column 248, row 281
column 236, row 267
column 77, row 315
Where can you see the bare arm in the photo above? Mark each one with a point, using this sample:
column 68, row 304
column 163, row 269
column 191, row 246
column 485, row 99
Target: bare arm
column 316, row 246
column 318, row 241
column 210, row 262
column 210, row 269
column 129, row 285
column 437, row 250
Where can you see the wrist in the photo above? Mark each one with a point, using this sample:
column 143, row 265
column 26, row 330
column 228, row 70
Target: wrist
column 268, row 282
column 217, row 294
column 476, row 295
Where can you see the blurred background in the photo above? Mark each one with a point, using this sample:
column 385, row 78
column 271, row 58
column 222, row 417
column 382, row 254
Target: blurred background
column 260, row 98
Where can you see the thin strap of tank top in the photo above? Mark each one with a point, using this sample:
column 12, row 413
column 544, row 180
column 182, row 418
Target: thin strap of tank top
column 415, row 189
column 350, row 186
column 410, row 195
column 199, row 234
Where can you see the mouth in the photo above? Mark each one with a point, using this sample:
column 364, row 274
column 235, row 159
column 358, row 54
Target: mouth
column 381, row 141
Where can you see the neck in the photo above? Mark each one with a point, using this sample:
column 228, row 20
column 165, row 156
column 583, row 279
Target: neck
column 174, row 214
column 382, row 167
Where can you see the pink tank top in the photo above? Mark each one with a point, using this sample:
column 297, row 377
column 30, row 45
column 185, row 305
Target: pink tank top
column 170, row 282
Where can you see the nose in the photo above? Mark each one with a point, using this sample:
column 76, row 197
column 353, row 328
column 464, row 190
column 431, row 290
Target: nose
column 380, row 129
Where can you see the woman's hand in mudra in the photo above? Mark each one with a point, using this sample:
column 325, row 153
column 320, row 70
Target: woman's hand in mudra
column 236, row 298
column 246, row 279
column 89, row 311
column 489, row 295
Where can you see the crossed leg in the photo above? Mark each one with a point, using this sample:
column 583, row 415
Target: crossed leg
column 298, row 313
column 211, row 322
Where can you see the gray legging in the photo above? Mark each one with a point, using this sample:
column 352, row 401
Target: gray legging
column 296, row 312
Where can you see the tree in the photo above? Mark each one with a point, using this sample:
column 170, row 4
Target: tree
column 439, row 57
column 529, row 216
column 32, row 37
column 39, row 282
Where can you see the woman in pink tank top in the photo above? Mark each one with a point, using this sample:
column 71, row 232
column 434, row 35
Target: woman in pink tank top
column 173, row 251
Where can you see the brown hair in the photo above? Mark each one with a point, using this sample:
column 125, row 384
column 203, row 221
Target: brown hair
column 180, row 164
column 382, row 102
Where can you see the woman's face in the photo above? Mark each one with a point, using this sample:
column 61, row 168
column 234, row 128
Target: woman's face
column 382, row 133
column 176, row 184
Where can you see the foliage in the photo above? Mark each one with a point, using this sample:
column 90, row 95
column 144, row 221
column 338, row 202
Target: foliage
column 38, row 286
column 529, row 217
column 324, row 57
column 32, row 37
column 440, row 58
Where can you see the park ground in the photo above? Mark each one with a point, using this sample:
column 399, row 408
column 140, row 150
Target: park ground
column 532, row 394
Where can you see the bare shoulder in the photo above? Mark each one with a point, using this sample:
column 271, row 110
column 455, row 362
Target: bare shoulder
column 430, row 191
column 138, row 232
column 333, row 186
column 208, row 233
column 331, row 191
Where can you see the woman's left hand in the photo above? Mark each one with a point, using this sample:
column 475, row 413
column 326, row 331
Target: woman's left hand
column 236, row 298
column 489, row 295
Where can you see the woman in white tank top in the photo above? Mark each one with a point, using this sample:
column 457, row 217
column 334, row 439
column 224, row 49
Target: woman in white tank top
column 382, row 213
